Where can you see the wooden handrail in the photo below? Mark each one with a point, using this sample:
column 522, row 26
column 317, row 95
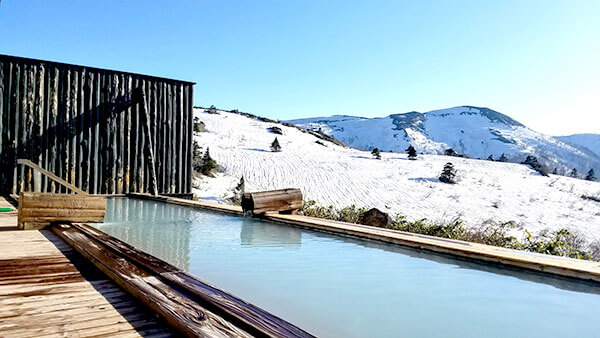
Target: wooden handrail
column 51, row 176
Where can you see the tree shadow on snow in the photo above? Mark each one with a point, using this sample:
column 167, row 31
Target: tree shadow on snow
column 424, row 179
column 256, row 149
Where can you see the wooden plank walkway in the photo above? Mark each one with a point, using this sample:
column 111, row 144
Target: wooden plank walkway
column 48, row 290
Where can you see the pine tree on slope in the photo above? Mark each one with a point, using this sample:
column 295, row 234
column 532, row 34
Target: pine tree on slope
column 275, row 147
column 591, row 175
column 412, row 153
column 574, row 173
column 376, row 153
column 448, row 174
column 208, row 165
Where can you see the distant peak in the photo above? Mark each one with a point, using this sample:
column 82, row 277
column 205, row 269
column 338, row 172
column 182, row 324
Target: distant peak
column 488, row 113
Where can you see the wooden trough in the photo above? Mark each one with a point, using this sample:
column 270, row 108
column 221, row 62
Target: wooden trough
column 38, row 210
column 284, row 200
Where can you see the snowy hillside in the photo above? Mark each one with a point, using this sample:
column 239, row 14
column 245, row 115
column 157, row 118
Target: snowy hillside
column 477, row 132
column 341, row 176
column 588, row 141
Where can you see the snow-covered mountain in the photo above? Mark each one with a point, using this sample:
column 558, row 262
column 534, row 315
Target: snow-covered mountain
column 476, row 132
column 589, row 141
column 335, row 175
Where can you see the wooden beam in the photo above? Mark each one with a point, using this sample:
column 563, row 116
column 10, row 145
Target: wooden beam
column 183, row 314
column 51, row 175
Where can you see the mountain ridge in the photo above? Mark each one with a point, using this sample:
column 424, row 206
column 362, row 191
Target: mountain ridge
column 588, row 141
column 475, row 131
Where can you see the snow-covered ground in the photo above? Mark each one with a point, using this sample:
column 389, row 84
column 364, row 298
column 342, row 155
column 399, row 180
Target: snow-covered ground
column 331, row 174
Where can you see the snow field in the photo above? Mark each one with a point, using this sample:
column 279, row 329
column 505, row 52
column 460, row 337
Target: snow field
column 486, row 191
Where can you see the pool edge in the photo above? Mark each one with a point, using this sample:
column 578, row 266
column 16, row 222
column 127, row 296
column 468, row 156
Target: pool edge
column 555, row 265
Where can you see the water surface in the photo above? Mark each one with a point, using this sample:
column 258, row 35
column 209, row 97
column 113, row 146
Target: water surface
column 335, row 286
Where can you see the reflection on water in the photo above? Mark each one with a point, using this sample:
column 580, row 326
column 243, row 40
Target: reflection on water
column 338, row 286
column 152, row 227
column 269, row 234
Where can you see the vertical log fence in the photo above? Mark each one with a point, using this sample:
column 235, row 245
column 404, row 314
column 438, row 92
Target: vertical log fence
column 103, row 131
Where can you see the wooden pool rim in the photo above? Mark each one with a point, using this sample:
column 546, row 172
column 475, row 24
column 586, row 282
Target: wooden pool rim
column 187, row 303
column 548, row 264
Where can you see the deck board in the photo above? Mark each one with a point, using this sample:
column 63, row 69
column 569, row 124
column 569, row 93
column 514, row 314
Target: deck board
column 8, row 220
column 48, row 290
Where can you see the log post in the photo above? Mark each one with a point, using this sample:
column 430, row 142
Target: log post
column 140, row 97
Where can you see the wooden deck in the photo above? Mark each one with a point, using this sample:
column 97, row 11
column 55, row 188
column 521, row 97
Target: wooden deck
column 71, row 280
column 8, row 220
column 48, row 290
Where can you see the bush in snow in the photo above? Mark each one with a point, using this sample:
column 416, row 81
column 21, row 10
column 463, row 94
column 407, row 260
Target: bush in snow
column 591, row 175
column 503, row 158
column 448, row 174
column 490, row 158
column 535, row 165
column 199, row 126
column 450, row 152
column 412, row 153
column 350, row 214
column 376, row 154
column 275, row 130
column 594, row 249
column 560, row 243
column 574, row 173
column 212, row 110
column 275, row 147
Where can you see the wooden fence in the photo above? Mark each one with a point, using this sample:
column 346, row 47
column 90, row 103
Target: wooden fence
column 86, row 126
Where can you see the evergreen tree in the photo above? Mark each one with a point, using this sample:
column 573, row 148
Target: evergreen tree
column 375, row 152
column 532, row 161
column 448, row 174
column 574, row 173
column 490, row 158
column 503, row 158
column 207, row 165
column 275, row 147
column 555, row 171
column 412, row 153
column 196, row 157
column 591, row 175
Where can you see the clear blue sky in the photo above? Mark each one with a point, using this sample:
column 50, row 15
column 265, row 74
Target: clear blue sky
column 538, row 61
